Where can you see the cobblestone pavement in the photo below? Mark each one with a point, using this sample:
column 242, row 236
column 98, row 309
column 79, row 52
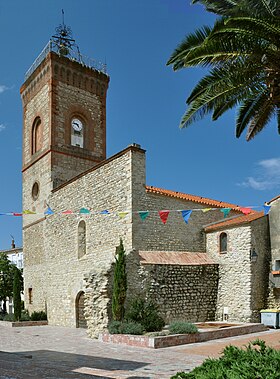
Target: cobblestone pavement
column 46, row 352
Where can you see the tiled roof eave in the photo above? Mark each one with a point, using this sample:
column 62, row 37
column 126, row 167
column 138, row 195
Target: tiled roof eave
column 192, row 198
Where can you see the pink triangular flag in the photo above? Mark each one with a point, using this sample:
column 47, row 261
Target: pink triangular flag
column 245, row 211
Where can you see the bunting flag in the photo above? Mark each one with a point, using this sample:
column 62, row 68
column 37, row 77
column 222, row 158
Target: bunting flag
column 84, row 211
column 122, row 214
column 186, row 215
column 225, row 211
column 105, row 212
column 163, row 215
column 143, row 215
column 266, row 209
column 28, row 212
column 68, row 212
column 246, row 211
column 206, row 210
column 49, row 211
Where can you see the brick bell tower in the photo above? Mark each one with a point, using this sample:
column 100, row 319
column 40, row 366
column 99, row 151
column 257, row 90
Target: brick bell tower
column 64, row 118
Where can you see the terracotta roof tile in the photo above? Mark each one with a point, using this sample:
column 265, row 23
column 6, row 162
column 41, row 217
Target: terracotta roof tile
column 244, row 219
column 174, row 258
column 195, row 199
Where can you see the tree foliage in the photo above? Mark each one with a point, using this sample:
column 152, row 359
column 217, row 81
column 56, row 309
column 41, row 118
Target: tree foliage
column 6, row 279
column 17, row 286
column 120, row 283
column 260, row 362
column 242, row 52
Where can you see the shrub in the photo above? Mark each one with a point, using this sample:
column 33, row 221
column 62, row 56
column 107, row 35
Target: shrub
column 146, row 314
column 24, row 315
column 114, row 327
column 8, row 317
column 38, row 316
column 260, row 362
column 118, row 327
column 132, row 328
column 182, row 327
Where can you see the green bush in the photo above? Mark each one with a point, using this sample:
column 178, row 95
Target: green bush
column 146, row 314
column 114, row 327
column 261, row 362
column 182, row 327
column 118, row 327
column 38, row 316
column 8, row 317
column 24, row 315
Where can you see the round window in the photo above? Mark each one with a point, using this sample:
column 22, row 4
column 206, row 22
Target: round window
column 35, row 191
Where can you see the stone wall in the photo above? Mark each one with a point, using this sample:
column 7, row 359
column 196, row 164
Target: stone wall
column 242, row 283
column 107, row 186
column 260, row 268
column 274, row 227
column 187, row 293
column 234, row 289
column 175, row 235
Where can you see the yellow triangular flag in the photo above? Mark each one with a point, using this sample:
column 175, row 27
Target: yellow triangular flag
column 122, row 214
column 28, row 212
column 206, row 210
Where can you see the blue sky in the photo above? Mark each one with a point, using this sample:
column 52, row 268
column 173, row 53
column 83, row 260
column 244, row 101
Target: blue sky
column 146, row 100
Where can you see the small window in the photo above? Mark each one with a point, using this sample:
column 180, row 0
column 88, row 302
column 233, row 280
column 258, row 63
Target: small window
column 37, row 135
column 30, row 296
column 223, row 242
column 35, row 191
column 81, row 239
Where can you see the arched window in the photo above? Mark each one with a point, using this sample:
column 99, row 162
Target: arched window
column 81, row 239
column 223, row 242
column 37, row 135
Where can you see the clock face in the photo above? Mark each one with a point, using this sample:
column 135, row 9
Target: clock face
column 77, row 124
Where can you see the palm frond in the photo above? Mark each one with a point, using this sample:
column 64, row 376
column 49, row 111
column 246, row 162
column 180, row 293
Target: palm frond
column 248, row 109
column 189, row 43
column 278, row 119
column 261, row 119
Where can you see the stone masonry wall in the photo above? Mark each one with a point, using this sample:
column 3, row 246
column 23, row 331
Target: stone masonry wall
column 260, row 269
column 175, row 235
column 108, row 186
column 274, row 227
column 187, row 293
column 234, row 289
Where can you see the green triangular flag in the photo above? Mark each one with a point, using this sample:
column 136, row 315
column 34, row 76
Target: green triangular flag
column 143, row 214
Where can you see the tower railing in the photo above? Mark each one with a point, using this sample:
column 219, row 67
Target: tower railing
column 73, row 55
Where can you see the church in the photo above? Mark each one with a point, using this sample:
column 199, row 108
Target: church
column 182, row 253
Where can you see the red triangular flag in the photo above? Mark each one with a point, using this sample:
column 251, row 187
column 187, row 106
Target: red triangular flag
column 245, row 211
column 163, row 215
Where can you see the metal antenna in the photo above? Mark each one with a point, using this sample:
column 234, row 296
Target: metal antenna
column 62, row 11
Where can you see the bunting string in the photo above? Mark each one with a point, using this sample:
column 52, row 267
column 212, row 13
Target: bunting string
column 163, row 214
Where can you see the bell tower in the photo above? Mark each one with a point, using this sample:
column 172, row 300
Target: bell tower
column 64, row 118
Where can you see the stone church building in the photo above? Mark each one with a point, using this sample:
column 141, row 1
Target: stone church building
column 204, row 270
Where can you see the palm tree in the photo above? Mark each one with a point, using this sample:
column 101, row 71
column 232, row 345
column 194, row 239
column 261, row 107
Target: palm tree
column 243, row 53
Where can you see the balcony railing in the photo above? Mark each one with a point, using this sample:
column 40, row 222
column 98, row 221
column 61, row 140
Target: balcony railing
column 70, row 54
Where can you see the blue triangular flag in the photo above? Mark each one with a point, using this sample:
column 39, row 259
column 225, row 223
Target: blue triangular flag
column 186, row 215
column 266, row 209
column 49, row 211
column 105, row 212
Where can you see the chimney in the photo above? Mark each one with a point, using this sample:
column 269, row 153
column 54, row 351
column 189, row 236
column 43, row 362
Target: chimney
column 13, row 246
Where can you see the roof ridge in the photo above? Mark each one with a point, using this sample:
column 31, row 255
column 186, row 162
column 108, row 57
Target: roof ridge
column 194, row 198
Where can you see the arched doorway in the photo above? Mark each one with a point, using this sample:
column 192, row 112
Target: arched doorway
column 80, row 315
